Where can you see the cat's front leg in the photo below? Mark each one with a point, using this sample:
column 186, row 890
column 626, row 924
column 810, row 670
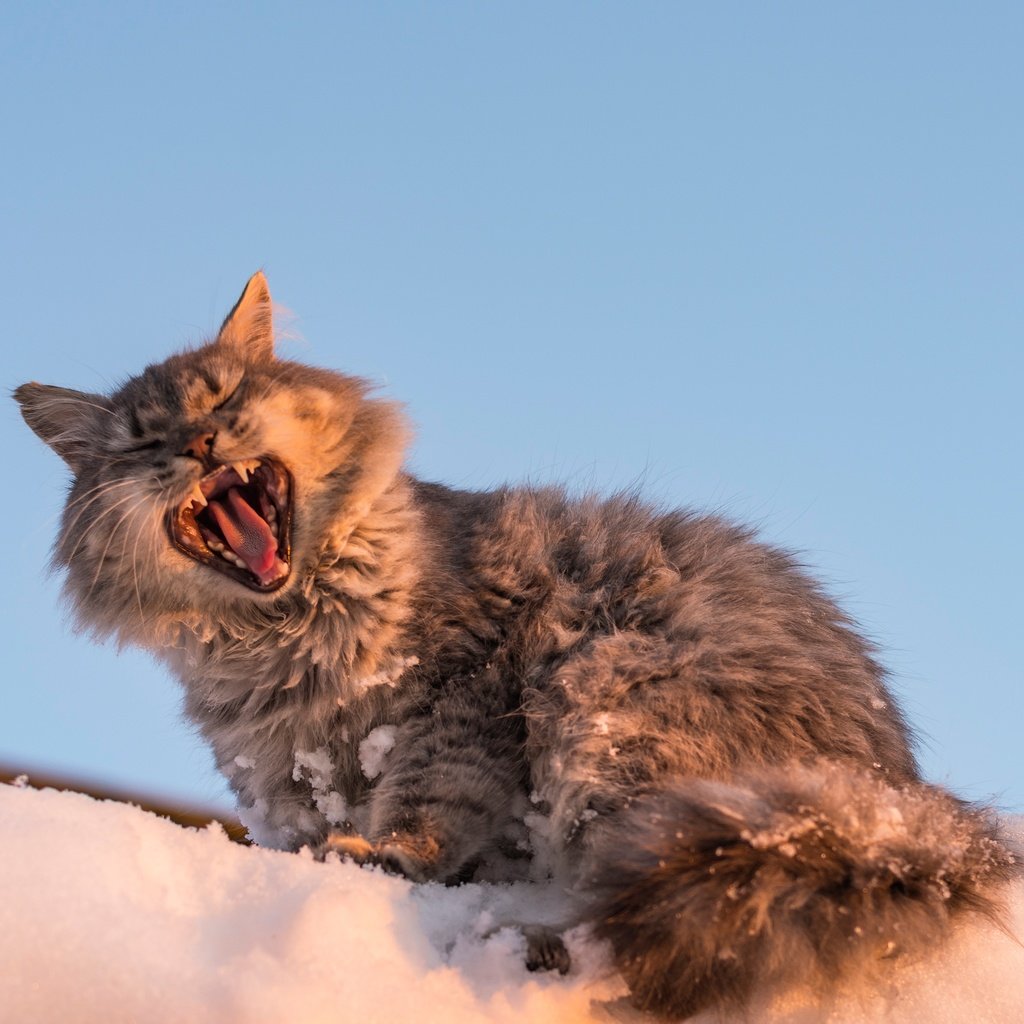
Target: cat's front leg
column 447, row 786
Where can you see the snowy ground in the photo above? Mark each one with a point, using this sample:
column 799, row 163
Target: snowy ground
column 110, row 914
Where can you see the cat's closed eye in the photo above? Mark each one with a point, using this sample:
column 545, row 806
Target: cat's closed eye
column 146, row 446
column 232, row 394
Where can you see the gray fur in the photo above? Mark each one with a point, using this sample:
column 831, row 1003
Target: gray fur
column 725, row 776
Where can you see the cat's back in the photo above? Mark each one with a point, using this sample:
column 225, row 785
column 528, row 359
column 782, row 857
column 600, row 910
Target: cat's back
column 539, row 577
column 639, row 565
column 619, row 558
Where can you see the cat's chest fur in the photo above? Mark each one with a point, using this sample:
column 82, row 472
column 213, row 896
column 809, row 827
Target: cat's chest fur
column 287, row 730
column 286, row 698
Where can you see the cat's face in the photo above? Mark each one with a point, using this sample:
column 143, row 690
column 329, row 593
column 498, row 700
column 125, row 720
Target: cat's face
column 212, row 480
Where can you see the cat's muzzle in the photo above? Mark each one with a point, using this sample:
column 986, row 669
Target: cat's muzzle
column 237, row 520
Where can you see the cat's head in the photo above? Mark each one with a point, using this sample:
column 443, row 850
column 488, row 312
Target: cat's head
column 213, row 481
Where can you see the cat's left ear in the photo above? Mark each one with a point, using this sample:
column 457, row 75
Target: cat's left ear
column 68, row 421
column 249, row 327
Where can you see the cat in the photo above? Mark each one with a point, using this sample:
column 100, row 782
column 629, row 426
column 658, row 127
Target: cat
column 398, row 671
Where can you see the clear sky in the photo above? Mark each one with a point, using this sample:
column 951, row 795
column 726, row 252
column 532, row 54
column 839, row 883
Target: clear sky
column 764, row 258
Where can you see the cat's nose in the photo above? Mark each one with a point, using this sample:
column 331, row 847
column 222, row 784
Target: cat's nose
column 201, row 446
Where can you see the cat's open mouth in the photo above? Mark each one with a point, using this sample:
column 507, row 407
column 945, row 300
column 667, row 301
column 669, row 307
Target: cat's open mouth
column 238, row 520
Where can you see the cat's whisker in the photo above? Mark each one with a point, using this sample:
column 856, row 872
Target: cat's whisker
column 110, row 539
column 87, row 533
column 96, row 493
column 132, row 514
column 80, row 503
column 51, row 519
column 135, row 574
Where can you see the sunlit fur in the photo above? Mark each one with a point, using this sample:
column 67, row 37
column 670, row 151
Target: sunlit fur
column 703, row 744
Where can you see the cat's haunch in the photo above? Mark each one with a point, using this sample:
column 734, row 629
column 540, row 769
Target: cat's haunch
column 664, row 712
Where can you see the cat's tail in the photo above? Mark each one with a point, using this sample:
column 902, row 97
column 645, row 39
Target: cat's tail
column 792, row 874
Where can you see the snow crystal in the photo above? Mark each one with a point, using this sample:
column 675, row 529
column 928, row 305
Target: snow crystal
column 888, row 824
column 332, row 806
column 257, row 826
column 317, row 768
column 541, row 845
column 317, row 762
column 245, row 762
column 375, row 748
column 387, row 676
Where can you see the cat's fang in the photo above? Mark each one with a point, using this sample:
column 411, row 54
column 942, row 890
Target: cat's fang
column 246, row 467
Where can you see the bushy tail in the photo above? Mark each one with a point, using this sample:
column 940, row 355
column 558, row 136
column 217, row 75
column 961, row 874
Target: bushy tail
column 788, row 875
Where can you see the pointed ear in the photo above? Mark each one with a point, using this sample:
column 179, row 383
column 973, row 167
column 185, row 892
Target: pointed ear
column 249, row 327
column 66, row 420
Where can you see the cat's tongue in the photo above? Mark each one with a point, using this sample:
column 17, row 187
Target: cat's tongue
column 248, row 535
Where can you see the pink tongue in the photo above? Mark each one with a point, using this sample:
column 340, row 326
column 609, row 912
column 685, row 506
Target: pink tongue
column 247, row 534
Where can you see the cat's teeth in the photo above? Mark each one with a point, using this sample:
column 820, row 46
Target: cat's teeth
column 271, row 516
column 226, row 553
column 246, row 467
column 197, row 497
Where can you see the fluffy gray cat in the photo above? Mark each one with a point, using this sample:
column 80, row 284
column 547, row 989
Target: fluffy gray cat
column 396, row 670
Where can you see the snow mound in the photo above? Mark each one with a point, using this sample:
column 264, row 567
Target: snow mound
column 110, row 913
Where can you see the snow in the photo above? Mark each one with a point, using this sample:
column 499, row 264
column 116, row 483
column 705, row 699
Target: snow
column 110, row 913
column 375, row 748
column 316, row 768
column 389, row 675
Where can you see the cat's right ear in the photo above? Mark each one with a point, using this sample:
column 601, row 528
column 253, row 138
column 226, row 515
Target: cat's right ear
column 66, row 420
column 249, row 327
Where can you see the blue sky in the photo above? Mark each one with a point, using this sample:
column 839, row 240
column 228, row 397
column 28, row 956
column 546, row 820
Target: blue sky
column 760, row 258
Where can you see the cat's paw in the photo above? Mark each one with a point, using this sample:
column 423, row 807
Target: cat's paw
column 545, row 950
column 346, row 845
column 413, row 857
